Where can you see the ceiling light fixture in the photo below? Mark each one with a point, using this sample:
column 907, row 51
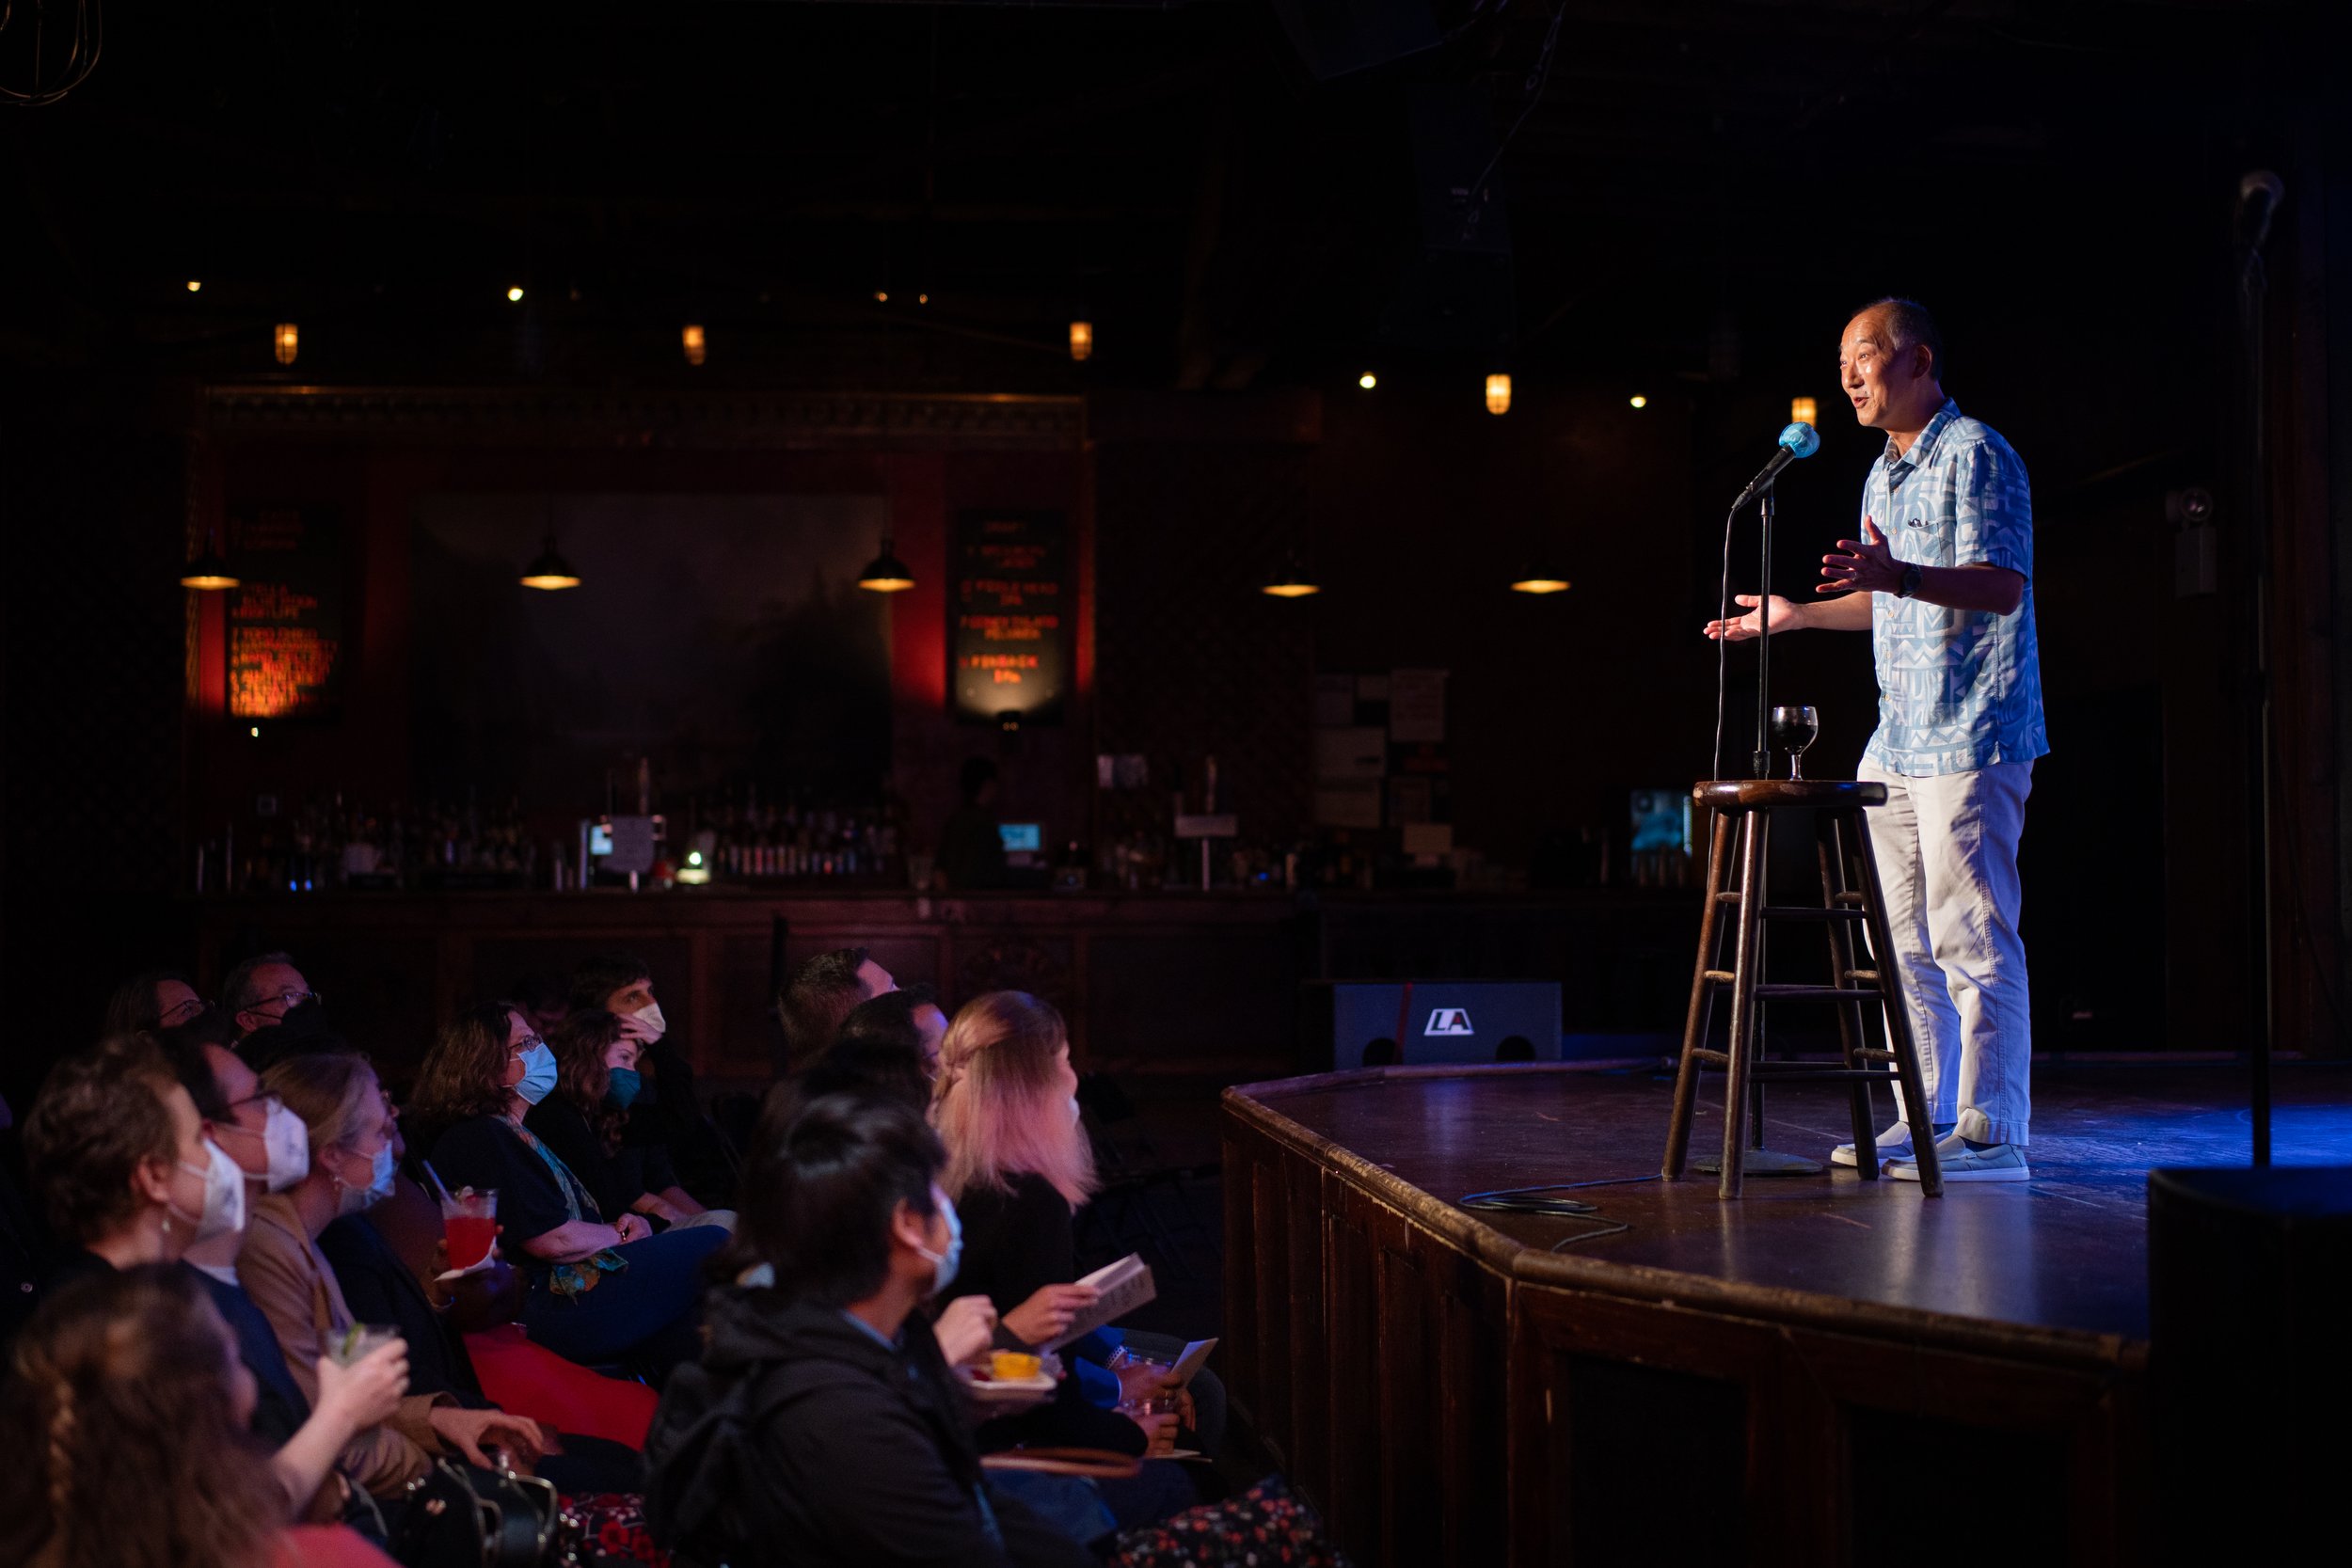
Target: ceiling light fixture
column 697, row 347
column 289, row 342
column 550, row 573
column 515, row 295
column 1540, row 585
column 208, row 573
column 1803, row 411
column 886, row 573
column 1637, row 401
column 1367, row 381
column 195, row 283
column 1291, row 580
column 1498, row 394
column 1081, row 341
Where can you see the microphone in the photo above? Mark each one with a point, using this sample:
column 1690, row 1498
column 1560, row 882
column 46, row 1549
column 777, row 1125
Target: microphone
column 1796, row 440
column 2258, row 197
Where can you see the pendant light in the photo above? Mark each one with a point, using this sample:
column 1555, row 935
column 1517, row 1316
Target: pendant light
column 1082, row 340
column 208, row 573
column 886, row 573
column 1291, row 580
column 287, row 341
column 1538, row 583
column 550, row 573
column 1499, row 392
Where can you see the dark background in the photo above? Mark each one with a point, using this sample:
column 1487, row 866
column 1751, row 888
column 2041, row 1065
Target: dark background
column 1689, row 201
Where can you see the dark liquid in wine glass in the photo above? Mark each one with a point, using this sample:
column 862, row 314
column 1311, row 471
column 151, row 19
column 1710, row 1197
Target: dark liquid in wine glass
column 1792, row 730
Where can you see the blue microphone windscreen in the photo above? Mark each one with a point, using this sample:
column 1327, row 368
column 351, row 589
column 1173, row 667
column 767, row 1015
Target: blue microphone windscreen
column 1801, row 440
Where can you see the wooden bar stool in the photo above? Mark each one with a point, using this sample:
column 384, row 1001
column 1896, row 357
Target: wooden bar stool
column 1850, row 896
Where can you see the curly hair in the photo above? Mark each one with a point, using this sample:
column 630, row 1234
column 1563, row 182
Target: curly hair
column 126, row 1450
column 463, row 1075
column 581, row 1044
column 996, row 1107
column 98, row 1117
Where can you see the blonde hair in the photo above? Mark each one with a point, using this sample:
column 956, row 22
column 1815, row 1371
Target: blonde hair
column 331, row 1091
column 999, row 1108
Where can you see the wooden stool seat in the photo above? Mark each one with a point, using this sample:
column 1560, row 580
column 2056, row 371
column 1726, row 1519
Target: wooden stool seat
column 1850, row 898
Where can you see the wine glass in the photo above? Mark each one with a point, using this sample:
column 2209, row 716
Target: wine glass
column 1794, row 730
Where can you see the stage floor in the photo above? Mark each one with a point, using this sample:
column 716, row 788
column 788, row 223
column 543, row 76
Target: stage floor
column 2066, row 1251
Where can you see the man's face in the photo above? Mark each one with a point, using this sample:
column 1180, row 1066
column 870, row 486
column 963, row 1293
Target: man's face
column 1884, row 383
column 632, row 998
column 932, row 1025
column 276, row 988
column 248, row 1111
column 874, row 981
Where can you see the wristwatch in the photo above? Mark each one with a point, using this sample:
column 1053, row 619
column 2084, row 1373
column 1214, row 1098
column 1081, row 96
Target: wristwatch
column 1910, row 583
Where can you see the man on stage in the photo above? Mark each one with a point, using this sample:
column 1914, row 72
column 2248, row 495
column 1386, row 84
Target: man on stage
column 1942, row 578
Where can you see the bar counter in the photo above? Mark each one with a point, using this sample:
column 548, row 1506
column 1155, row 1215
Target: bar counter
column 1152, row 982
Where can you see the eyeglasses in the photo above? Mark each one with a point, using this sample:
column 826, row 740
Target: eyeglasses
column 288, row 1000
column 530, row 1042
column 180, row 1012
column 269, row 1102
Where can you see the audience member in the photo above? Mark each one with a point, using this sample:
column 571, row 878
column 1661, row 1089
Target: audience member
column 263, row 991
column 381, row 1285
column 157, row 999
column 816, row 1429
column 342, row 1110
column 1019, row 1166
column 585, row 1122
column 885, row 1048
column 127, row 1426
column 118, row 1154
column 667, row 1110
column 596, row 1292
column 544, row 999
column 820, row 995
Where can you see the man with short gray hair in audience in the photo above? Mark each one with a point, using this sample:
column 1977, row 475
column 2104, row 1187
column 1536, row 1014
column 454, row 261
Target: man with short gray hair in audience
column 260, row 991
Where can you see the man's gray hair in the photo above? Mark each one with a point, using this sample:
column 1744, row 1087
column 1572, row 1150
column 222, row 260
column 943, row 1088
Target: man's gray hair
column 237, row 991
column 1911, row 326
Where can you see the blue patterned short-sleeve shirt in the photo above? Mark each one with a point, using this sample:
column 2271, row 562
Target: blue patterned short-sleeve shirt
column 1959, row 690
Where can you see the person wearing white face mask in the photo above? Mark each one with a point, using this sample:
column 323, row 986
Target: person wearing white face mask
column 668, row 1109
column 595, row 1291
column 342, row 1110
column 264, row 1140
column 118, row 1154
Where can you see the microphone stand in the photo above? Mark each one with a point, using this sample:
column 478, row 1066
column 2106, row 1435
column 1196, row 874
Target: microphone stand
column 1760, row 1160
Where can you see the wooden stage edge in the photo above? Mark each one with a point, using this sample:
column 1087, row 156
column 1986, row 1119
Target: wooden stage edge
column 1828, row 1370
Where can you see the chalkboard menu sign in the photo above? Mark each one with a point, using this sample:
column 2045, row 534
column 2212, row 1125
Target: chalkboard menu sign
column 285, row 619
column 1008, row 640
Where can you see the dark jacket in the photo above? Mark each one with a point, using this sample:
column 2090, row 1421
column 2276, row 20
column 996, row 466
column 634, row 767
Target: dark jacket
column 803, row 1439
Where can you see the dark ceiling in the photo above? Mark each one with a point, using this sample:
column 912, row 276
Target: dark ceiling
column 1682, row 177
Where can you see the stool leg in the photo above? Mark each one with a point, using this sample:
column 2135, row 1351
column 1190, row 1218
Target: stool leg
column 1917, row 1112
column 1702, row 1001
column 1829, row 844
column 1744, row 983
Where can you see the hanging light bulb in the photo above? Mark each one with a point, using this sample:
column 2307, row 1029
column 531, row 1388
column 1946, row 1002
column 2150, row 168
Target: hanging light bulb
column 1367, row 381
column 1081, row 341
column 1498, row 394
column 1540, row 585
column 289, row 342
column 208, row 573
column 515, row 295
column 882, row 297
column 194, row 284
column 886, row 573
column 550, row 571
column 1637, row 401
column 697, row 348
column 1803, row 411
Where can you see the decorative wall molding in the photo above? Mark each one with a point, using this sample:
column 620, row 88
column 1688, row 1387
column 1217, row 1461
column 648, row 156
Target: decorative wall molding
column 462, row 416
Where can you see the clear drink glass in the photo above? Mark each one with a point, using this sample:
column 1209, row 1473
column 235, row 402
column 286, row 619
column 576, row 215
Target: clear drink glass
column 469, row 1224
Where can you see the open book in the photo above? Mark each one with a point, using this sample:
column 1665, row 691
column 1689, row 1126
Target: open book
column 1124, row 1285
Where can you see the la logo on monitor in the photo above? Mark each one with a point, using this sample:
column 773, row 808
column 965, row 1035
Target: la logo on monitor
column 1449, row 1020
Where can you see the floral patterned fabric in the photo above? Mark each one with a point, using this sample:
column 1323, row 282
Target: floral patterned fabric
column 1263, row 1527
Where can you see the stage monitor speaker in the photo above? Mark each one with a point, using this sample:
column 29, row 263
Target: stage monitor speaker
column 2250, row 1356
column 1444, row 1021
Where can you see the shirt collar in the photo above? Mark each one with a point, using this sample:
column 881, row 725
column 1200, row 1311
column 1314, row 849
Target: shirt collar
column 870, row 1330
column 1926, row 443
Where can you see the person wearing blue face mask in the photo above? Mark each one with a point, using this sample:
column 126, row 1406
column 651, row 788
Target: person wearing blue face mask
column 589, row 1123
column 595, row 1290
column 342, row 1110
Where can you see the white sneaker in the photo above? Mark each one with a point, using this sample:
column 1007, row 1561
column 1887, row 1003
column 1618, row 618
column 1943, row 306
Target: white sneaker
column 1893, row 1143
column 1959, row 1162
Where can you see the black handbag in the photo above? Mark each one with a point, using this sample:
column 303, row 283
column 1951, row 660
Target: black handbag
column 456, row 1517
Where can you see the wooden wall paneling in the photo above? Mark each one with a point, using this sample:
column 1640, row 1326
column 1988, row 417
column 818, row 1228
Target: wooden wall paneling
column 1352, row 1310
column 1307, row 1346
column 1242, row 1243
column 1273, row 1310
column 1472, row 1367
column 1404, row 1374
